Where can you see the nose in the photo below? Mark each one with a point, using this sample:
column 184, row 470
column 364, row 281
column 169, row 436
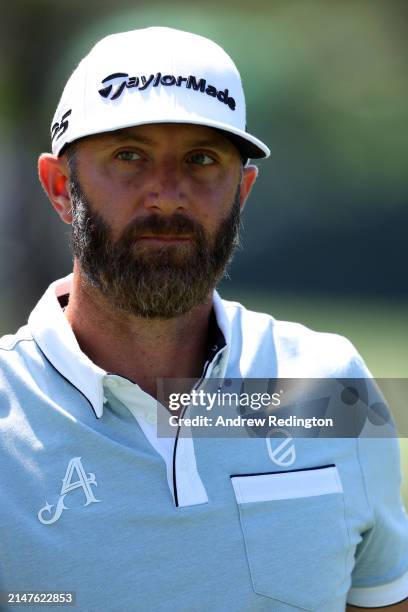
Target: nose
column 166, row 194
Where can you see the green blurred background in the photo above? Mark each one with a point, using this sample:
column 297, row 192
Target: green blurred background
column 325, row 231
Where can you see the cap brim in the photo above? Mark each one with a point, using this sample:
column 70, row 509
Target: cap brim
column 249, row 145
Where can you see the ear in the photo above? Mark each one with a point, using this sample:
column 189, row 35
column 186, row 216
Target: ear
column 249, row 174
column 53, row 173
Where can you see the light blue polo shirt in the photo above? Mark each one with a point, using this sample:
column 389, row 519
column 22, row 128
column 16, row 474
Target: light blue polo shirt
column 93, row 501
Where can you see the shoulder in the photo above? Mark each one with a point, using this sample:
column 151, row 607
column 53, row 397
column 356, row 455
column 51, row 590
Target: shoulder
column 299, row 350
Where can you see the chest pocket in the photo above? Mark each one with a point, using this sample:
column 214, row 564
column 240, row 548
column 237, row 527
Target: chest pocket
column 295, row 534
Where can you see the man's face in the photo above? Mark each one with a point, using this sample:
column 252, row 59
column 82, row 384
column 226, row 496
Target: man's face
column 156, row 214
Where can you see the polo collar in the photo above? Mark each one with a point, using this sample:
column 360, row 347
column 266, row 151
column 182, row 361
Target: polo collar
column 54, row 336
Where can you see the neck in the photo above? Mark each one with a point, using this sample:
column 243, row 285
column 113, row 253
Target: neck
column 139, row 349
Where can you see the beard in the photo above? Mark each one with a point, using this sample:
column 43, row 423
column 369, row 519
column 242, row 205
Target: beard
column 154, row 283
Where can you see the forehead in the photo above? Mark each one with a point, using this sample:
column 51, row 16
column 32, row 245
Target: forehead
column 165, row 134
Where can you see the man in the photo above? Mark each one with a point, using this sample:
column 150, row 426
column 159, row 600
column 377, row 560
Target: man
column 149, row 165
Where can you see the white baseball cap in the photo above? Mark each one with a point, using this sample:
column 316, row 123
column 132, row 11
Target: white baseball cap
column 154, row 75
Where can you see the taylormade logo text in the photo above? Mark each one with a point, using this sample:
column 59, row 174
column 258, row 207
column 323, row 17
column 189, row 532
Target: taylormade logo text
column 116, row 83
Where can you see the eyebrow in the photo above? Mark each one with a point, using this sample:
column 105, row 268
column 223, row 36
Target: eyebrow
column 126, row 134
column 216, row 143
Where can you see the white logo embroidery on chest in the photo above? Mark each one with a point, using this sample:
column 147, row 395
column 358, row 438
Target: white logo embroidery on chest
column 279, row 453
column 84, row 482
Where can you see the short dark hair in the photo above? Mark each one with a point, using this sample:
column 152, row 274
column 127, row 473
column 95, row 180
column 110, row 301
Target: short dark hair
column 70, row 151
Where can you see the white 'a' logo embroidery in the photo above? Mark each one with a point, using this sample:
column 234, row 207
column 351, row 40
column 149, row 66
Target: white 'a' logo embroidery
column 84, row 482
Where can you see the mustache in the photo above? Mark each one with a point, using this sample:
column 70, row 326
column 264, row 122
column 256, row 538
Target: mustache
column 160, row 225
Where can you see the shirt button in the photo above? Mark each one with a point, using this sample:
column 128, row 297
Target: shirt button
column 151, row 419
column 112, row 383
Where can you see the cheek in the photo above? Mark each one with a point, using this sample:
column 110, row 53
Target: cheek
column 114, row 202
column 215, row 203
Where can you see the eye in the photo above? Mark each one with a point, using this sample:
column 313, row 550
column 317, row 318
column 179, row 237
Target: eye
column 128, row 156
column 201, row 159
